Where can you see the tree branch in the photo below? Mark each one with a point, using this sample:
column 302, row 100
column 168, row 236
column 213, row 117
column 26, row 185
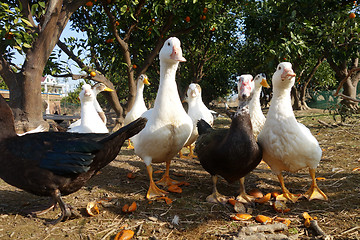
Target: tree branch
column 134, row 24
column 71, row 55
column 313, row 71
column 6, row 72
column 158, row 45
column 126, row 53
column 26, row 12
column 51, row 8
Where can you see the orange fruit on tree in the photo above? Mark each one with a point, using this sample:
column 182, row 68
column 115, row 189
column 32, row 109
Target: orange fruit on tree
column 213, row 29
column 352, row 15
column 205, row 10
column 187, row 19
column 117, row 23
column 153, row 20
column 134, row 66
column 202, row 17
column 93, row 74
column 89, row 4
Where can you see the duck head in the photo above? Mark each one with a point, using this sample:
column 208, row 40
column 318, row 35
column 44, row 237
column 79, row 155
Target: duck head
column 86, row 94
column 194, row 90
column 284, row 77
column 143, row 78
column 245, row 86
column 260, row 81
column 99, row 87
column 171, row 51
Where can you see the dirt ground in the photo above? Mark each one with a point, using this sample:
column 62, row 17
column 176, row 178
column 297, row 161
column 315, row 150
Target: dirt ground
column 339, row 217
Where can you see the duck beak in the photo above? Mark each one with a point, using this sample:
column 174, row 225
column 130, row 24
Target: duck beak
column 108, row 89
column 87, row 92
column 288, row 73
column 146, row 81
column 177, row 55
column 264, row 83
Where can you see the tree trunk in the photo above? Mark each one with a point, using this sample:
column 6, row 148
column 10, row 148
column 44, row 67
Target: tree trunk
column 350, row 87
column 25, row 86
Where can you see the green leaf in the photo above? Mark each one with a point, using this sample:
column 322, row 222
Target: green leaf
column 27, row 22
column 132, row 16
column 7, row 10
column 123, row 9
column 42, row 4
column 26, row 45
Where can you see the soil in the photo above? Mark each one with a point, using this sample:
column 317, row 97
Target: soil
column 339, row 217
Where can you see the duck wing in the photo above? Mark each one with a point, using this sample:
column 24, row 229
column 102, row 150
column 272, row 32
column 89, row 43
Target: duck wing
column 207, row 136
column 61, row 153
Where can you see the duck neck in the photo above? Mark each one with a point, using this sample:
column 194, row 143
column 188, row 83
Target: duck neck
column 243, row 108
column 254, row 103
column 168, row 92
column 88, row 112
column 241, row 120
column 139, row 93
column 195, row 102
column 281, row 102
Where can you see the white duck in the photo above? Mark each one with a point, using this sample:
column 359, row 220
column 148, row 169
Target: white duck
column 168, row 126
column 196, row 110
column 97, row 88
column 256, row 114
column 139, row 106
column 288, row 145
column 90, row 119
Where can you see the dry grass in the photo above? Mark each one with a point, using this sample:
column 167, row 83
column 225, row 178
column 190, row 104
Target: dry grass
column 339, row 217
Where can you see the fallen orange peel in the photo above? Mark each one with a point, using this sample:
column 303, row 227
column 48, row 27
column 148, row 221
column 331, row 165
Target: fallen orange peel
column 263, row 219
column 130, row 175
column 241, row 216
column 174, row 189
column 92, row 209
column 280, row 206
column 264, row 199
column 124, row 235
column 167, row 200
column 256, row 193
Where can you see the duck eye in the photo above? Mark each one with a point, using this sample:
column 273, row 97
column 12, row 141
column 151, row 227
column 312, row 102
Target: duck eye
column 279, row 68
column 168, row 44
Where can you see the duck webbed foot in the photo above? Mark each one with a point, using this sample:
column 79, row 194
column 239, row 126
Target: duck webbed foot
column 286, row 193
column 130, row 146
column 191, row 153
column 154, row 191
column 66, row 210
column 243, row 197
column 216, row 197
column 166, row 180
column 314, row 192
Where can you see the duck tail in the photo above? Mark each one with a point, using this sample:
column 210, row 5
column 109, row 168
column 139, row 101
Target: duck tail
column 203, row 126
column 129, row 130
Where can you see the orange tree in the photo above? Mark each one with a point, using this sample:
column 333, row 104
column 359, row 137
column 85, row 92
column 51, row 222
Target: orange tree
column 32, row 28
column 124, row 38
column 302, row 34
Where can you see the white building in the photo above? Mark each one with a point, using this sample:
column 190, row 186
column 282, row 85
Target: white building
column 51, row 85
